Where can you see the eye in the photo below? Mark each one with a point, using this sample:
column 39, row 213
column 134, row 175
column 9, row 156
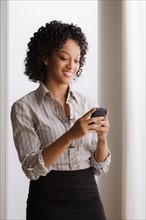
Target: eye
column 77, row 61
column 63, row 58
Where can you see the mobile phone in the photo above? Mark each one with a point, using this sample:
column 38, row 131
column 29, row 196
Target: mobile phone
column 99, row 112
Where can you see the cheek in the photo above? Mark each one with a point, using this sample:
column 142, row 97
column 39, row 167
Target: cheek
column 56, row 68
column 59, row 65
column 77, row 69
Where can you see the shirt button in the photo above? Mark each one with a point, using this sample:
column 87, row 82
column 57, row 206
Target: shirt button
column 30, row 169
column 72, row 146
column 57, row 110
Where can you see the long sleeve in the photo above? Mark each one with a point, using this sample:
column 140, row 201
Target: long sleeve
column 38, row 120
column 27, row 141
column 99, row 167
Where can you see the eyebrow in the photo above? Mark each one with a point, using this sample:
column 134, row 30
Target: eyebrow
column 62, row 51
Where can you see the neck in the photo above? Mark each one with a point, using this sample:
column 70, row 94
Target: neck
column 59, row 92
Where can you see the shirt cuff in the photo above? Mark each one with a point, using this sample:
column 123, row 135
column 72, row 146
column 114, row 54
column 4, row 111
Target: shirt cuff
column 33, row 166
column 101, row 167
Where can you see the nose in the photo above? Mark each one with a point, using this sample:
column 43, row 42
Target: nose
column 70, row 64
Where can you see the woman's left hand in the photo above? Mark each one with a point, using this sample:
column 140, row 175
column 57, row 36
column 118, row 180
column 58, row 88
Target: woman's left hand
column 103, row 129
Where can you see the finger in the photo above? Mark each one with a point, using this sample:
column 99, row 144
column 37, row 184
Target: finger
column 102, row 129
column 105, row 123
column 88, row 114
column 95, row 120
column 94, row 127
column 106, row 116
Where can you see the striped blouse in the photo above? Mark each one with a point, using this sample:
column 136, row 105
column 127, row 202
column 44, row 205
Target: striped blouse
column 38, row 120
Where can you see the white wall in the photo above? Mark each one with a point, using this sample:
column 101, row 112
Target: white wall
column 2, row 108
column 24, row 18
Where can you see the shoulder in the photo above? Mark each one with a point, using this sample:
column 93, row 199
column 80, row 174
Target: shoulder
column 25, row 101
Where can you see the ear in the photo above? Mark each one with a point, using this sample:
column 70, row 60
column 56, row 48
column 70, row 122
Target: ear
column 45, row 61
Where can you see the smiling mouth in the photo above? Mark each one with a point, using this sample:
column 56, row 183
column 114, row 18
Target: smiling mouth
column 68, row 74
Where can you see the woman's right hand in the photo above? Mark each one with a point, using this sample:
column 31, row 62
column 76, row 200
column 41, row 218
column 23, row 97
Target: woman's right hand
column 81, row 127
column 85, row 125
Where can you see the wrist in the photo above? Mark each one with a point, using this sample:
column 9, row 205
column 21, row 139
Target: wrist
column 69, row 137
column 102, row 138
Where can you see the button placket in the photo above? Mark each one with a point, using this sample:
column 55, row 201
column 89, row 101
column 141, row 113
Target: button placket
column 59, row 111
column 71, row 121
column 68, row 123
column 73, row 157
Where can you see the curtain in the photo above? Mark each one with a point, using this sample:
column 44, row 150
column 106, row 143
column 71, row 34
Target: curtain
column 121, row 75
column 134, row 154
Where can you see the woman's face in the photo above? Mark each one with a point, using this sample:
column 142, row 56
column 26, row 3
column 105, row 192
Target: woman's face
column 63, row 65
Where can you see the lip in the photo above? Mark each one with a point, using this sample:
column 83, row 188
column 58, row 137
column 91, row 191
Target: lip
column 68, row 73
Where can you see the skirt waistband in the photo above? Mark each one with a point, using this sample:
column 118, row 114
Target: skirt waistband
column 64, row 186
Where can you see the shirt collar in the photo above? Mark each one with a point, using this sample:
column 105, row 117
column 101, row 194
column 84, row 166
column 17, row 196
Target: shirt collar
column 71, row 94
column 42, row 91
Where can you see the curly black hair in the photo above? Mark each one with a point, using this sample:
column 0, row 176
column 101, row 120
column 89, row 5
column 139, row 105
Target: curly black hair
column 45, row 41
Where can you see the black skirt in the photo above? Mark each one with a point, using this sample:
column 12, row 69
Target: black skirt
column 65, row 195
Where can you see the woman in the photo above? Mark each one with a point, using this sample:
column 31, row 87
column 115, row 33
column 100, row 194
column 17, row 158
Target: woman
column 59, row 145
